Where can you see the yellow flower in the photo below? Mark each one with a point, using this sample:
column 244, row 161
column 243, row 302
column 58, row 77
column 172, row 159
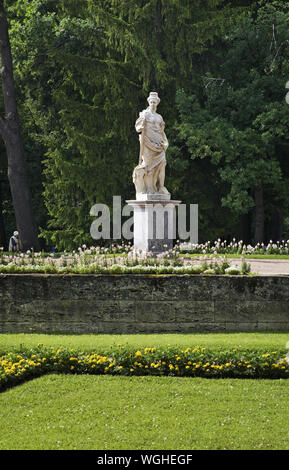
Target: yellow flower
column 138, row 354
column 148, row 350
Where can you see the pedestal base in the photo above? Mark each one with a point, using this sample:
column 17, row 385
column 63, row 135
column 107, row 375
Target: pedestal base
column 153, row 197
column 154, row 224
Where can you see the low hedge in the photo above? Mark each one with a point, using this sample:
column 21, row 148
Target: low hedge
column 18, row 367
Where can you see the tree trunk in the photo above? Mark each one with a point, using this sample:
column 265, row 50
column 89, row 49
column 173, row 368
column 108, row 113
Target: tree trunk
column 11, row 134
column 158, row 32
column 259, row 214
column 158, row 22
column 2, row 226
column 244, row 228
column 274, row 227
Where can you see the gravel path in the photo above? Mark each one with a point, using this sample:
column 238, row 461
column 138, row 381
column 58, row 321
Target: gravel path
column 265, row 266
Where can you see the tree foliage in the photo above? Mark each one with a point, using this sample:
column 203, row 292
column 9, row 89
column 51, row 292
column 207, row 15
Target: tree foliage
column 83, row 71
column 242, row 126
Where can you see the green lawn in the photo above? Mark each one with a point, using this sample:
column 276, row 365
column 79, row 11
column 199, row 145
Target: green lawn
column 145, row 413
column 97, row 412
column 274, row 340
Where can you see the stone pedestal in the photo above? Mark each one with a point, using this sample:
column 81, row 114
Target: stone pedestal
column 154, row 222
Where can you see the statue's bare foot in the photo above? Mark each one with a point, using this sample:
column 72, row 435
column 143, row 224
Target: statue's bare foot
column 163, row 190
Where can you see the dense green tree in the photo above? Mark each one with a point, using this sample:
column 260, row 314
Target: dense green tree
column 83, row 71
column 165, row 44
column 76, row 108
column 242, row 124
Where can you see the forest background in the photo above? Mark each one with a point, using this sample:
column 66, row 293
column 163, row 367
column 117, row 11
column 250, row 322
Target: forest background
column 83, row 70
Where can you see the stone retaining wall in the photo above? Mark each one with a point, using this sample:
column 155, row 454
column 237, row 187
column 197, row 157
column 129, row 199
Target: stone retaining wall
column 142, row 303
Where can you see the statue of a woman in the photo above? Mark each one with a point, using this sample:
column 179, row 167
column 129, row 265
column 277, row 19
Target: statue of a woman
column 149, row 175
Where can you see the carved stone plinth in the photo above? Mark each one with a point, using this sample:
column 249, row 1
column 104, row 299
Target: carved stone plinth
column 154, row 223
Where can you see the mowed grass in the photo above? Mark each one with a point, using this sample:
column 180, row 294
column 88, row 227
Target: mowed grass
column 103, row 343
column 150, row 413
column 145, row 413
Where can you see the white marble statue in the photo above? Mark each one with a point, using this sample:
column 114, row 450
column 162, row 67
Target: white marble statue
column 149, row 175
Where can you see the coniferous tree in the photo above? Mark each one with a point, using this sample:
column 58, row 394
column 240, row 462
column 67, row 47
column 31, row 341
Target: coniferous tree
column 84, row 70
column 141, row 46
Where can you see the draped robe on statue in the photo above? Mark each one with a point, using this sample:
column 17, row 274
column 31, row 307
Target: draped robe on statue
column 148, row 176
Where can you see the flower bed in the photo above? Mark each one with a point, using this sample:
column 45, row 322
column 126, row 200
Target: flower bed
column 97, row 261
column 171, row 361
column 234, row 247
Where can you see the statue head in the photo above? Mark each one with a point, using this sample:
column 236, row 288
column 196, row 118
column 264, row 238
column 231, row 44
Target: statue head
column 153, row 99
